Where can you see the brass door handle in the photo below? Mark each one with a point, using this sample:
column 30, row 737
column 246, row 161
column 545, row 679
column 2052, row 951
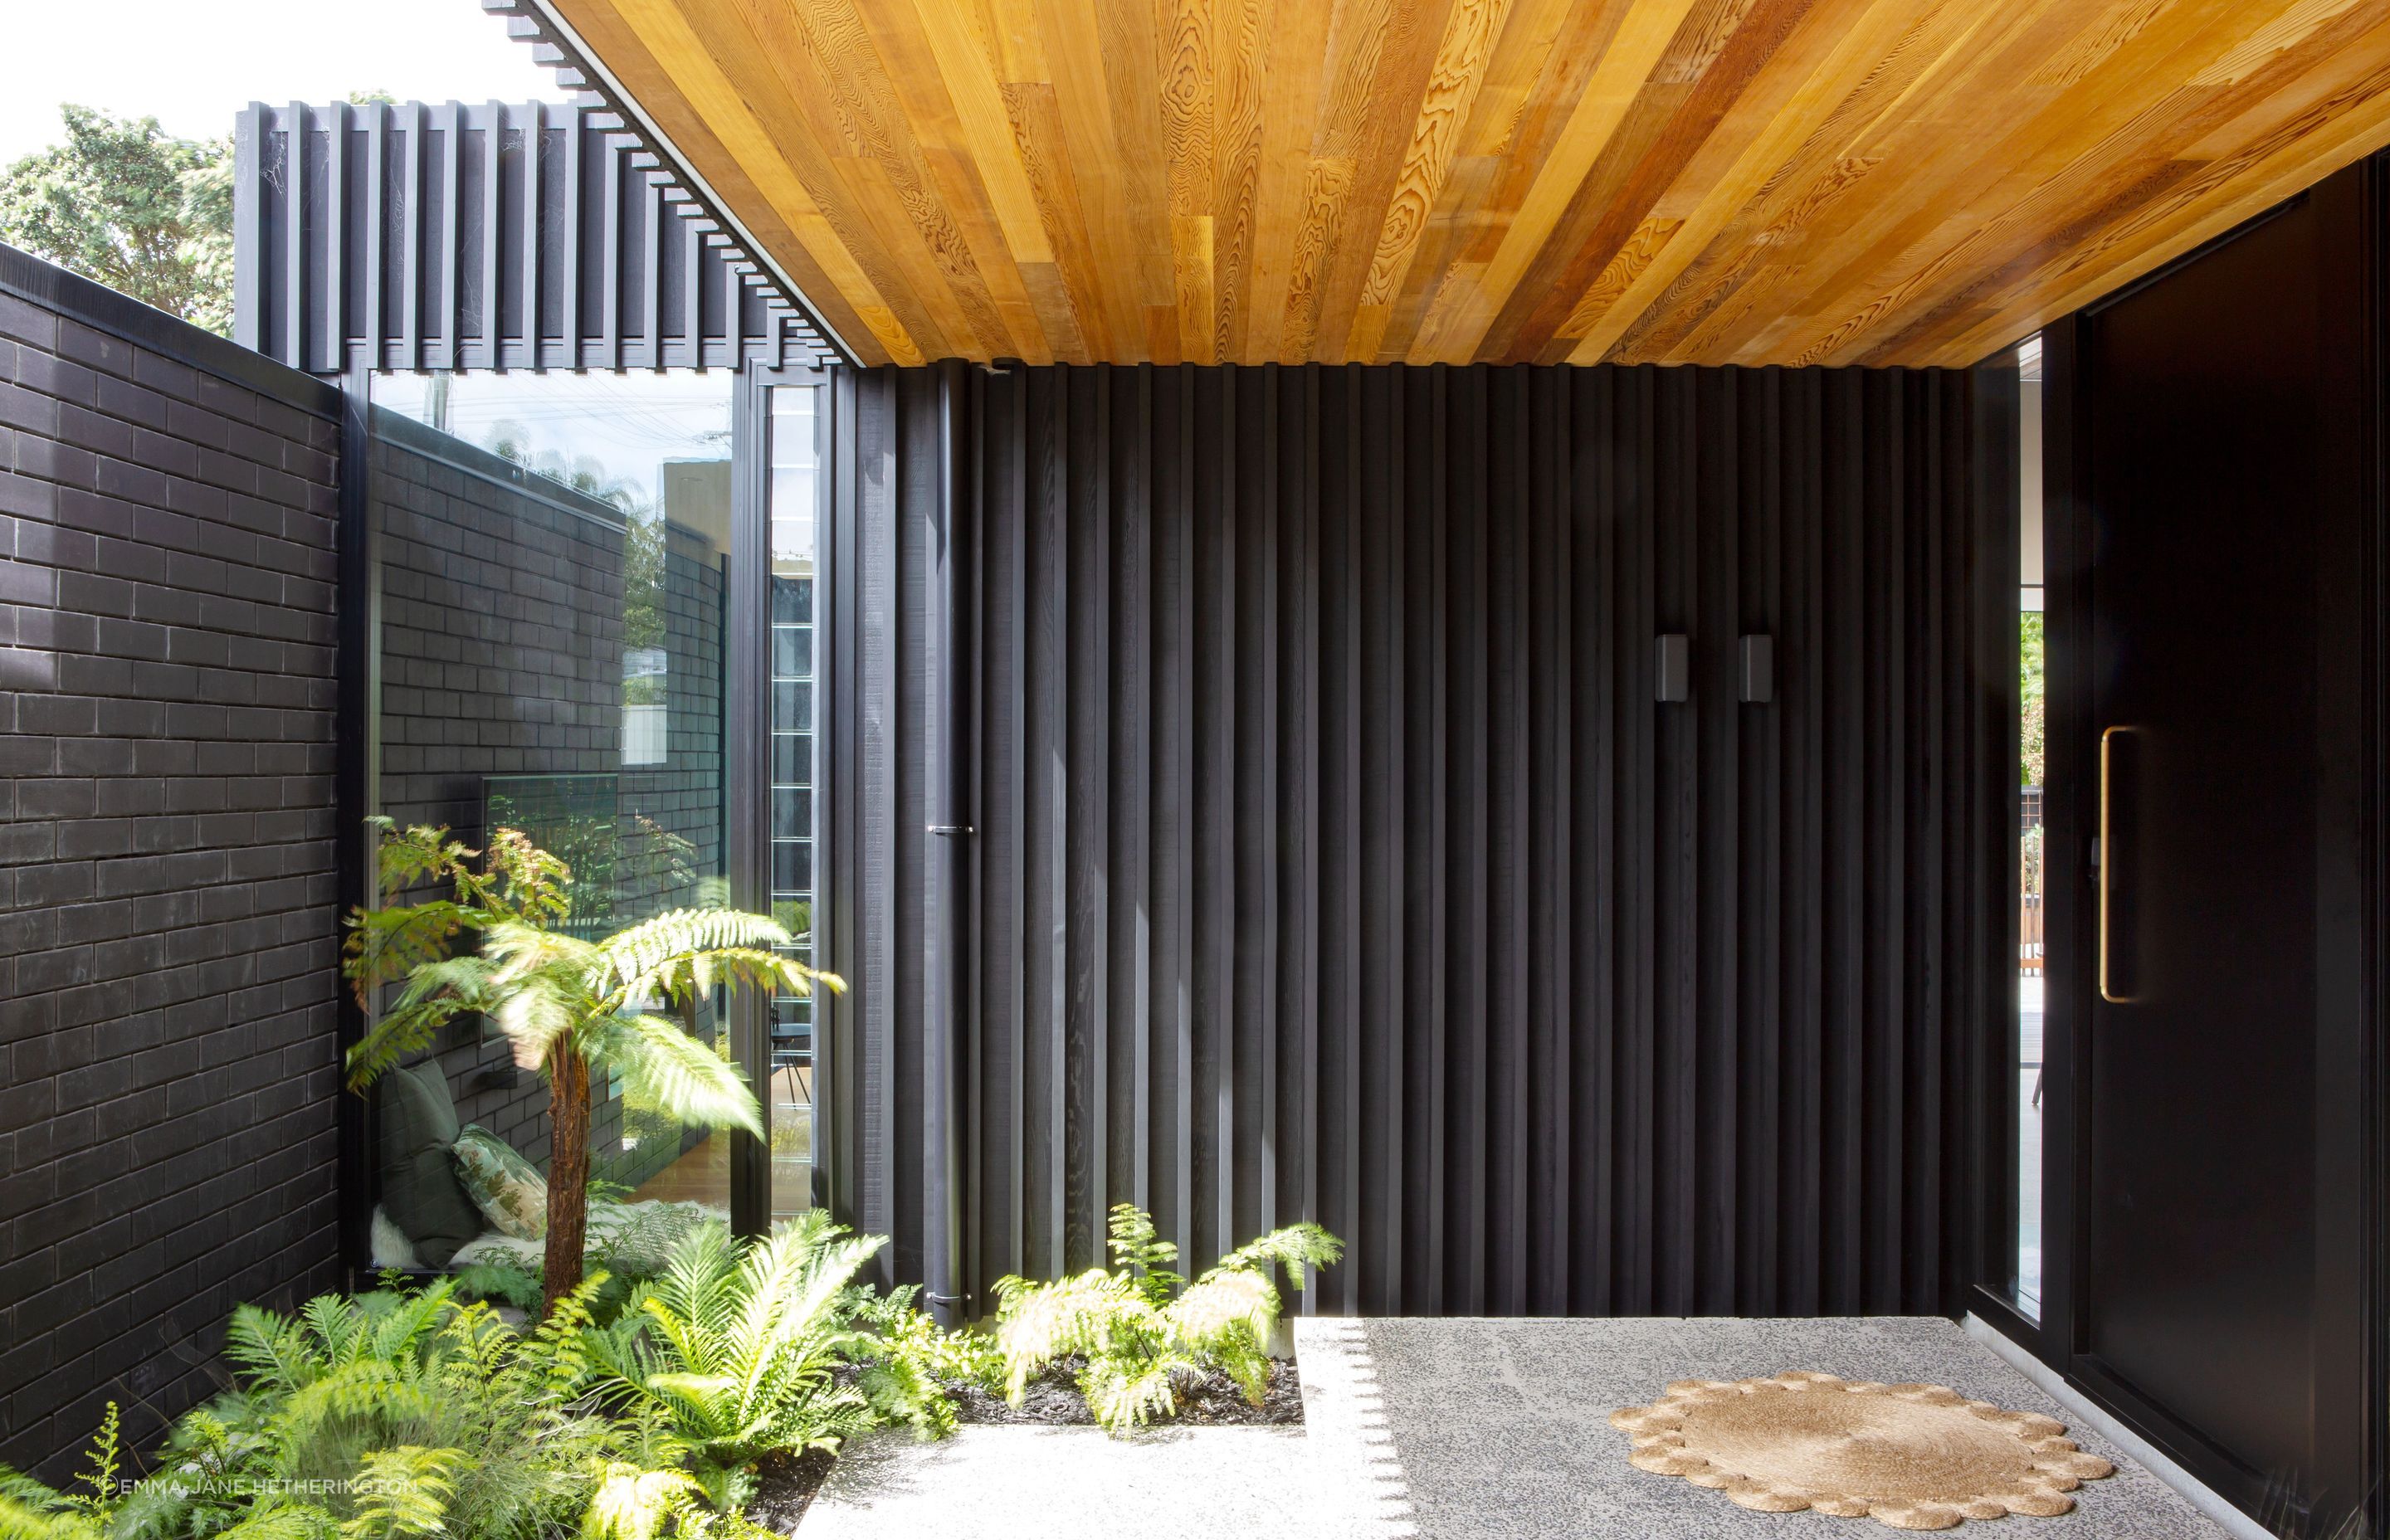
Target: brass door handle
column 2107, row 865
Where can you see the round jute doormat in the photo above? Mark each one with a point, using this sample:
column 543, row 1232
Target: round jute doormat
column 1913, row 1456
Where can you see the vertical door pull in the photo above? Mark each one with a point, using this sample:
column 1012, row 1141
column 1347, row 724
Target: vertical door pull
column 2107, row 865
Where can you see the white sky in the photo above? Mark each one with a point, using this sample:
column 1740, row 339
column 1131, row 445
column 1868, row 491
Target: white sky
column 193, row 64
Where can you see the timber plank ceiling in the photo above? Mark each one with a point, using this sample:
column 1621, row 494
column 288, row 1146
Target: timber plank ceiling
column 1672, row 181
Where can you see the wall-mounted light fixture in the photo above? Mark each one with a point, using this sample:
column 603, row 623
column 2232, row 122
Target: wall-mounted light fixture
column 1758, row 670
column 1675, row 669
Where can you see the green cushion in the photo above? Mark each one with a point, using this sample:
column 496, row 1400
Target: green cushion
column 508, row 1191
column 419, row 1189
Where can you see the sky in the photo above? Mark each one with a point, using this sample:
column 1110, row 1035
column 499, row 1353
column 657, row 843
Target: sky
column 193, row 64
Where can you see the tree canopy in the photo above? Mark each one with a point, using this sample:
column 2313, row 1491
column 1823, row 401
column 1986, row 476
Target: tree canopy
column 125, row 203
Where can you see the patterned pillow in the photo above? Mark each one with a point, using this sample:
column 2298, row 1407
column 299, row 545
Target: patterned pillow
column 508, row 1191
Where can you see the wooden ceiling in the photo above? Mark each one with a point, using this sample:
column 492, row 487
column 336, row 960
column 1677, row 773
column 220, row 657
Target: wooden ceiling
column 1673, row 181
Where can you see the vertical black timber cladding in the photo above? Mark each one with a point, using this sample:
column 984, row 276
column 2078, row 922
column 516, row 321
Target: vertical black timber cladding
column 1334, row 861
column 484, row 235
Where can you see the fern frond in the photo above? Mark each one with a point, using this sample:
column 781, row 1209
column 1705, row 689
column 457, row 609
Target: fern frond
column 416, row 854
column 1226, row 1300
column 501, row 1277
column 633, row 1503
column 387, row 943
column 23, row 1522
column 1039, row 1323
column 274, row 1352
column 283, row 1520
column 1123, row 1392
column 742, row 1339
column 687, row 951
column 1294, row 1246
column 530, row 883
column 403, row 1491
column 664, row 1067
column 647, row 945
column 1135, row 1244
column 18, row 1487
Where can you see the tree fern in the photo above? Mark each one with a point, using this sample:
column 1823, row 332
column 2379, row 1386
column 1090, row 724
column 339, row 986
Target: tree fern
column 580, row 1010
column 1142, row 1329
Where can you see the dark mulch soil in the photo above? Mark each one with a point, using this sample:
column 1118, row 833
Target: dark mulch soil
column 785, row 1485
column 1053, row 1399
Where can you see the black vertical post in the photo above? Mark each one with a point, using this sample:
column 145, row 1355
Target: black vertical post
column 946, row 902
column 2070, row 750
column 746, row 764
column 356, row 769
column 1993, row 443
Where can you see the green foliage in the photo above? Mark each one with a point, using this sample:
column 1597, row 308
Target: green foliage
column 2033, row 698
column 627, row 1247
column 386, row 1416
column 418, row 1415
column 543, row 989
column 735, row 1346
column 507, row 1279
column 124, row 204
column 554, row 996
column 1142, row 1328
column 903, row 1362
column 29, row 1511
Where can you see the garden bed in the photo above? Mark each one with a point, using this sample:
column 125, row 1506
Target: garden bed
column 1052, row 1399
column 785, row 1485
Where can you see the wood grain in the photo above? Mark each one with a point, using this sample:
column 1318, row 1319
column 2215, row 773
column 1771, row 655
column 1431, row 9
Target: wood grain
column 1447, row 181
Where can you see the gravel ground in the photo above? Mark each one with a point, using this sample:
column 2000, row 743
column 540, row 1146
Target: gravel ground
column 786, row 1487
column 1053, row 1400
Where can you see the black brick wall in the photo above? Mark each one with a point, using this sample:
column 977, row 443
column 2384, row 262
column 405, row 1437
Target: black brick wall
column 168, row 978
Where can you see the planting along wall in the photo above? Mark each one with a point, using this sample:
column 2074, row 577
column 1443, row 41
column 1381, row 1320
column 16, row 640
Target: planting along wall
column 1335, row 860
column 168, row 979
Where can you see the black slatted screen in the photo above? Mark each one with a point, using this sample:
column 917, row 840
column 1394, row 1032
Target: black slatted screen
column 1334, row 858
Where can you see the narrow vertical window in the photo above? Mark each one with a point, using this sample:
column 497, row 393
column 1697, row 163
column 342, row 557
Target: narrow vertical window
column 795, row 492
column 2033, row 785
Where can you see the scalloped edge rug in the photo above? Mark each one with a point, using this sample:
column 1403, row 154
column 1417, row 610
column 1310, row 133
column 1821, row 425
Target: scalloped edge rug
column 1909, row 1456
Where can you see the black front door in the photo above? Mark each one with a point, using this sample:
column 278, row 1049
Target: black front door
column 2218, row 1203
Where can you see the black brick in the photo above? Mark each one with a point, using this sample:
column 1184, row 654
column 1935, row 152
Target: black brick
column 168, row 962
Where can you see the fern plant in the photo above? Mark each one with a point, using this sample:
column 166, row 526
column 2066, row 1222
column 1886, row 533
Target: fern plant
column 571, row 1009
column 903, row 1362
column 391, row 1415
column 29, row 1511
column 1141, row 1330
column 735, row 1346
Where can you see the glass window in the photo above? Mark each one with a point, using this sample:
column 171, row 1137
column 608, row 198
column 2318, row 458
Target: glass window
column 555, row 562
column 2033, row 781
column 795, row 492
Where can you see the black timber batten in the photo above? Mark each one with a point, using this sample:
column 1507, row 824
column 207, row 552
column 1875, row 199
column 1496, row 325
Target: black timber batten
column 497, row 235
column 1333, row 859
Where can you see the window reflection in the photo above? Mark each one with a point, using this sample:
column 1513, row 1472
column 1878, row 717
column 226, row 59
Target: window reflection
column 795, row 492
column 555, row 566
column 2032, row 673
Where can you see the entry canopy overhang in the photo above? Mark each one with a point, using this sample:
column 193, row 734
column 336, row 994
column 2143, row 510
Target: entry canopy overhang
column 1839, row 182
